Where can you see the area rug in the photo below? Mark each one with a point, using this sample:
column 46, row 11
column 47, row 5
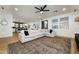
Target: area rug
column 44, row 45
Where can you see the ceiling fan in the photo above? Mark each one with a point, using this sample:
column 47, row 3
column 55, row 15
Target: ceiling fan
column 41, row 9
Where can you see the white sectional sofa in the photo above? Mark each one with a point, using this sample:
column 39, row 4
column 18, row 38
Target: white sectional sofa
column 33, row 34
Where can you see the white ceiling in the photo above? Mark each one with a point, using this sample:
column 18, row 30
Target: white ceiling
column 26, row 13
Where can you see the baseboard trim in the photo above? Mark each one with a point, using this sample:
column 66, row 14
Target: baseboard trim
column 65, row 37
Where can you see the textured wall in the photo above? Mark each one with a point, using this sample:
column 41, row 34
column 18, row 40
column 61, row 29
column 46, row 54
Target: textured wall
column 6, row 30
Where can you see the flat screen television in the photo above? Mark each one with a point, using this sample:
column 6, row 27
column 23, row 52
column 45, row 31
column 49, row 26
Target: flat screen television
column 77, row 39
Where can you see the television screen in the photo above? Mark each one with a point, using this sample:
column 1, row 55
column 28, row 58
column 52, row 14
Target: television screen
column 77, row 39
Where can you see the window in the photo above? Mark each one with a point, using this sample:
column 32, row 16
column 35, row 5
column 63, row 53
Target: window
column 55, row 23
column 64, row 23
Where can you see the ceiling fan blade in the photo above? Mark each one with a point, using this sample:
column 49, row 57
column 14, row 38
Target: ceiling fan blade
column 37, row 11
column 46, row 10
column 44, row 7
column 41, row 9
column 37, row 8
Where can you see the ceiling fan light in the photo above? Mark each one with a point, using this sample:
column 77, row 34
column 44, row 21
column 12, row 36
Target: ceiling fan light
column 41, row 12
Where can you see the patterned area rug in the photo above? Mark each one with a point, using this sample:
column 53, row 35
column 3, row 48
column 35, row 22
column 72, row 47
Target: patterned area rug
column 44, row 45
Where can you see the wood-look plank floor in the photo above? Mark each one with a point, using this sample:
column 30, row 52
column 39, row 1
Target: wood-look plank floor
column 5, row 41
column 74, row 49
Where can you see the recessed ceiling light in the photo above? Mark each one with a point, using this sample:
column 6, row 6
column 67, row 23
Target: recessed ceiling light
column 16, row 9
column 64, row 9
